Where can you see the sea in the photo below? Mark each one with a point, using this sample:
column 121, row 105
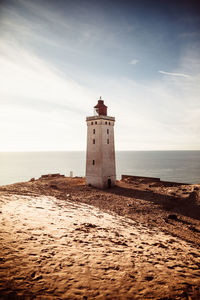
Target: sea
column 178, row 166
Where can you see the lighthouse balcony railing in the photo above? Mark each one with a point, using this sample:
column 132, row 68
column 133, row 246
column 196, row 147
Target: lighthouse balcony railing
column 100, row 117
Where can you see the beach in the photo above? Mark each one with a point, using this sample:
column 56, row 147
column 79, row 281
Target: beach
column 61, row 239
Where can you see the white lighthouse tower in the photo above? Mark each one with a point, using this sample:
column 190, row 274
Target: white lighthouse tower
column 100, row 160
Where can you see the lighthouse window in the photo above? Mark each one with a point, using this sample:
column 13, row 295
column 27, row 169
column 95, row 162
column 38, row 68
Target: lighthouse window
column 109, row 123
column 107, row 141
column 95, row 122
column 93, row 131
column 91, row 123
column 106, row 123
column 93, row 141
column 93, row 162
column 107, row 131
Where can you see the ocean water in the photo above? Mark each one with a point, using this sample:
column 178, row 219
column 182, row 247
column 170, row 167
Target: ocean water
column 180, row 166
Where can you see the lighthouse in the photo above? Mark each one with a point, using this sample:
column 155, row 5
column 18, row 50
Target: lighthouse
column 100, row 157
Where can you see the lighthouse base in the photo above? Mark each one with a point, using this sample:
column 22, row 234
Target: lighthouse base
column 101, row 183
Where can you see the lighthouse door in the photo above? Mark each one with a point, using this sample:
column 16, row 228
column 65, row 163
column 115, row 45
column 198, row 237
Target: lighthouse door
column 109, row 183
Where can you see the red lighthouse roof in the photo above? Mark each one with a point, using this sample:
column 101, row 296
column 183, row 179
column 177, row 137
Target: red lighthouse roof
column 101, row 108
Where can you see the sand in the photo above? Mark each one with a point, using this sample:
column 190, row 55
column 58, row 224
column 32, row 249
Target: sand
column 54, row 246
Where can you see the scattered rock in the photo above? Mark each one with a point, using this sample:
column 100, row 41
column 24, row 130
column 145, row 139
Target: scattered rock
column 172, row 217
column 89, row 225
column 33, row 274
column 196, row 188
column 53, row 186
column 193, row 196
column 149, row 278
column 160, row 245
column 121, row 243
column 38, row 278
column 32, row 179
column 173, row 194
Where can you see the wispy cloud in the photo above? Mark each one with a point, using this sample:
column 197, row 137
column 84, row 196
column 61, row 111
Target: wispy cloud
column 134, row 61
column 37, row 97
column 175, row 74
column 32, row 77
column 47, row 86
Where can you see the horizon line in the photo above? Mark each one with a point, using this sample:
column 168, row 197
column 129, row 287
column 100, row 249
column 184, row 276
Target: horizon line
column 28, row 151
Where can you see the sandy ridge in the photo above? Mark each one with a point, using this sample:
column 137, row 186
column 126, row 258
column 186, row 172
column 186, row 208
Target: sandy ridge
column 58, row 249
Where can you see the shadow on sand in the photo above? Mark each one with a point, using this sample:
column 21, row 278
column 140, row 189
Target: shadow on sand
column 189, row 206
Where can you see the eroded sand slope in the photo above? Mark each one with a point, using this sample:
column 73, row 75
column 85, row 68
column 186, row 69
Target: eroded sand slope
column 58, row 249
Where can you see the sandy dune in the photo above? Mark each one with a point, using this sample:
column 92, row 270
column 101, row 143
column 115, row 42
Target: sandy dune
column 58, row 249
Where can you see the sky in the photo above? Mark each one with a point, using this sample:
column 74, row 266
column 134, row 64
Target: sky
column 58, row 57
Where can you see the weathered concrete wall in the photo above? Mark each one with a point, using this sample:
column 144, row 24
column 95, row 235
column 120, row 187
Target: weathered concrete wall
column 100, row 160
column 144, row 179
